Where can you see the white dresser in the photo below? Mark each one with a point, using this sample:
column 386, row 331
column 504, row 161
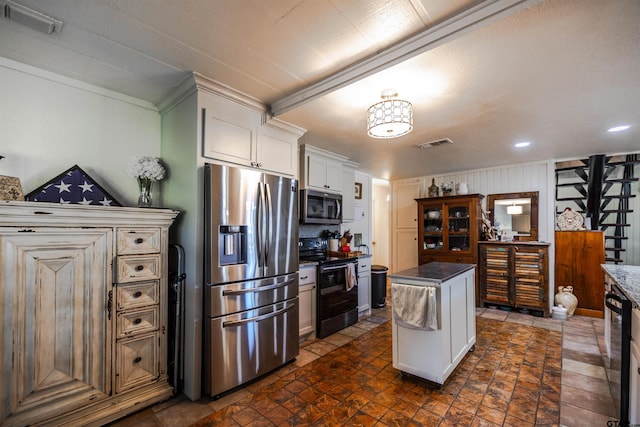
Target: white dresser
column 83, row 294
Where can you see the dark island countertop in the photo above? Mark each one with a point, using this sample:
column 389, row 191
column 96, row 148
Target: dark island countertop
column 434, row 271
column 628, row 278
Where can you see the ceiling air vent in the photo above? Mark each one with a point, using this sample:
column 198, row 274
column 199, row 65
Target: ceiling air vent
column 435, row 143
column 29, row 17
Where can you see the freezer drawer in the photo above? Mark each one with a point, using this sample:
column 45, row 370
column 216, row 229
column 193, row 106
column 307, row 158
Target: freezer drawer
column 243, row 346
column 221, row 300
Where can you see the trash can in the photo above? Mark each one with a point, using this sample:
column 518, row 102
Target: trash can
column 378, row 286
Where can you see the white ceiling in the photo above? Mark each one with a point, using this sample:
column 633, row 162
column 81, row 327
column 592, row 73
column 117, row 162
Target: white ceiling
column 485, row 74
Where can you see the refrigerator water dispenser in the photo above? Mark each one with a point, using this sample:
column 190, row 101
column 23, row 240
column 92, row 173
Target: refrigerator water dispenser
column 232, row 242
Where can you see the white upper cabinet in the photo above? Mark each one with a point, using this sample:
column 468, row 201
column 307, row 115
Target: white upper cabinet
column 348, row 191
column 235, row 133
column 321, row 170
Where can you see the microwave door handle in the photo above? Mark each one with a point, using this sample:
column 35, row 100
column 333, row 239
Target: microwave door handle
column 338, row 205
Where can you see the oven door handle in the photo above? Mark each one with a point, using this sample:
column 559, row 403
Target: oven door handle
column 335, row 267
column 616, row 309
column 259, row 289
column 257, row 318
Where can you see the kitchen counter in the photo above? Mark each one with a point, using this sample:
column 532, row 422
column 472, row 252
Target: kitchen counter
column 437, row 272
column 628, row 278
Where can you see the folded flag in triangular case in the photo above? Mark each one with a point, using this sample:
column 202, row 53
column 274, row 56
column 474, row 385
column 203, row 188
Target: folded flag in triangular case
column 73, row 186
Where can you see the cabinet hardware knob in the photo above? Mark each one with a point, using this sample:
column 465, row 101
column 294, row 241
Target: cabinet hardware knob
column 139, row 240
column 137, row 359
column 138, row 294
column 137, row 321
column 139, row 267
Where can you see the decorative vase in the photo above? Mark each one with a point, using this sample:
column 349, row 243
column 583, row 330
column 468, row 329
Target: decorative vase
column 433, row 189
column 145, row 199
column 462, row 188
column 446, row 193
column 567, row 299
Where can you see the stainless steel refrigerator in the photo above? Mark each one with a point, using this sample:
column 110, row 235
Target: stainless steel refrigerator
column 251, row 264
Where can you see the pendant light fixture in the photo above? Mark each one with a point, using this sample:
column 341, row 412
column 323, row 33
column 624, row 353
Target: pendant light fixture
column 391, row 117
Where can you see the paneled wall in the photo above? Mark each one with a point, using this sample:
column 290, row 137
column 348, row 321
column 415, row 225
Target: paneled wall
column 510, row 179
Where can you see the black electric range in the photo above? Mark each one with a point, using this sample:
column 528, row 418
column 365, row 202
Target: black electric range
column 314, row 249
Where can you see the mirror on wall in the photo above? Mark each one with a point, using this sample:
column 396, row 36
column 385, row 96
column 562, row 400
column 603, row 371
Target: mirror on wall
column 514, row 215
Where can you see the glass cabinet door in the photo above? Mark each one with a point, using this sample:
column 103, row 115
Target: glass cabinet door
column 459, row 228
column 433, row 224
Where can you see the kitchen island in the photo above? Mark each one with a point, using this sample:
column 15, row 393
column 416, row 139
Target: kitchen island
column 432, row 345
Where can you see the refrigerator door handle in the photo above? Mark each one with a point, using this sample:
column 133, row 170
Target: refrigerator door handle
column 260, row 225
column 269, row 224
column 260, row 289
column 257, row 318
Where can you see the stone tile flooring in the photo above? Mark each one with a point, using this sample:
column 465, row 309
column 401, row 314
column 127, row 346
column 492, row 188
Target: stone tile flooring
column 526, row 370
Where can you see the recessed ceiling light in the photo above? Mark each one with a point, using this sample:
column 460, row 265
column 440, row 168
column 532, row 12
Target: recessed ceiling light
column 522, row 144
column 619, row 128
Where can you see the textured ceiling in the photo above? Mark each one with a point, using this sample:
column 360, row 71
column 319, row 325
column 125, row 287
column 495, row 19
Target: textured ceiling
column 557, row 73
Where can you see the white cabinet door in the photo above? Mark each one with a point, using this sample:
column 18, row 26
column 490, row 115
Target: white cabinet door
column 323, row 173
column 405, row 249
column 277, row 154
column 307, row 300
column 364, row 284
column 54, row 286
column 334, row 175
column 634, row 386
column 348, row 194
column 230, row 131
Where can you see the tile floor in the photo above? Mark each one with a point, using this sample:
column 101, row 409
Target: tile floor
column 522, row 368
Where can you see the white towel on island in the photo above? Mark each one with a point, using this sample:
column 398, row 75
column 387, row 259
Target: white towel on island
column 352, row 279
column 416, row 306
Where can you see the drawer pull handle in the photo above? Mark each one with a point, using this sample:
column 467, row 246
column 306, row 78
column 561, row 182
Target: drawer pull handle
column 139, row 240
column 137, row 321
column 139, row 267
column 137, row 294
column 304, row 278
column 137, row 359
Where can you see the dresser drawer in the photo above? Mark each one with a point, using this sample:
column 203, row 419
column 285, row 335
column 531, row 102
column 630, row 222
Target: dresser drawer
column 138, row 241
column 136, row 361
column 137, row 322
column 133, row 268
column 136, row 295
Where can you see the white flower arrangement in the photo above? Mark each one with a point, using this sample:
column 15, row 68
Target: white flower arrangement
column 144, row 167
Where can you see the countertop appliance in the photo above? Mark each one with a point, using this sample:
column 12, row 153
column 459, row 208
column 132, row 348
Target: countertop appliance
column 617, row 330
column 337, row 298
column 318, row 207
column 251, row 263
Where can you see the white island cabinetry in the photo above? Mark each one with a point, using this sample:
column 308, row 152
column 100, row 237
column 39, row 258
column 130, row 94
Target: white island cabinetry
column 433, row 354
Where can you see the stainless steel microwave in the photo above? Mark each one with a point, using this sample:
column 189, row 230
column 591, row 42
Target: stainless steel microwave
column 318, row 207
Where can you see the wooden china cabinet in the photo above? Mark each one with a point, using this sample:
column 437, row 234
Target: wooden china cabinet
column 449, row 228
